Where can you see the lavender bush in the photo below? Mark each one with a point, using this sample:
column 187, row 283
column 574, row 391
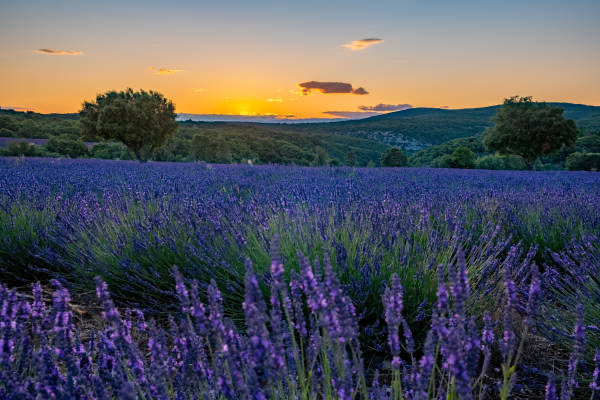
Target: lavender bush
column 301, row 344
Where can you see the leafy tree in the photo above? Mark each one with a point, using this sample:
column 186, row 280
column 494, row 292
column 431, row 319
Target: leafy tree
column 583, row 161
column 498, row 162
column 21, row 148
column 351, row 158
column 334, row 162
column 529, row 129
column 109, row 151
column 67, row 147
column 321, row 157
column 223, row 152
column 463, row 157
column 143, row 121
column 588, row 144
column 394, row 157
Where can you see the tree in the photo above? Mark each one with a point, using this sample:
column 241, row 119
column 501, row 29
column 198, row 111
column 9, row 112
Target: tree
column 463, row 157
column 143, row 121
column 495, row 161
column 583, row 161
column 321, row 156
column 67, row 147
column 21, row 148
column 529, row 129
column 351, row 158
column 394, row 157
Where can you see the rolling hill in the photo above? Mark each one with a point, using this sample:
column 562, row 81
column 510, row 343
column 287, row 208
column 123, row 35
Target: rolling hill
column 413, row 130
column 418, row 128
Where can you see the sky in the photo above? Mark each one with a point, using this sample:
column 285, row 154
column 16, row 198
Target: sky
column 299, row 59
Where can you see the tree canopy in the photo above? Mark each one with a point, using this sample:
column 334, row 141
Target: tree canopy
column 143, row 121
column 394, row 157
column 529, row 129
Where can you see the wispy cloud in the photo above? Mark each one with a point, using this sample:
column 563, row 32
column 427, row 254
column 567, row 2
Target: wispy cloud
column 386, row 107
column 53, row 52
column 15, row 108
column 369, row 111
column 198, row 90
column 275, row 100
column 164, row 71
column 362, row 44
column 330, row 88
column 351, row 114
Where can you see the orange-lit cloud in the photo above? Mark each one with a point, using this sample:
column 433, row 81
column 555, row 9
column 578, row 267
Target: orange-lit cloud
column 330, row 88
column 164, row 71
column 274, row 100
column 352, row 114
column 53, row 52
column 386, row 107
column 15, row 108
column 362, row 44
column 198, row 90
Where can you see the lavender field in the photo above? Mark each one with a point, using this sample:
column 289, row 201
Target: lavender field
column 195, row 281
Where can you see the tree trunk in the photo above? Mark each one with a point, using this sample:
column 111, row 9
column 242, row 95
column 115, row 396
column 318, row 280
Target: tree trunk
column 529, row 163
column 137, row 154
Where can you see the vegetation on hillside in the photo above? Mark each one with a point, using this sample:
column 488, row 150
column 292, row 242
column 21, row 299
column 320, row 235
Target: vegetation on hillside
column 437, row 132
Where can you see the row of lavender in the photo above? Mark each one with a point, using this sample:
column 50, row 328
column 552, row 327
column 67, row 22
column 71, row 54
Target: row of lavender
column 130, row 223
column 302, row 345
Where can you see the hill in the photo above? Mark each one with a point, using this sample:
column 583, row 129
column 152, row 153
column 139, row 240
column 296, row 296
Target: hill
column 413, row 130
column 222, row 142
column 419, row 128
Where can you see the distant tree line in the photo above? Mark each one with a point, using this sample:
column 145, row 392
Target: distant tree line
column 141, row 125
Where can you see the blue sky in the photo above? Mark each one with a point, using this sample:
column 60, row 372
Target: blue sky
column 232, row 57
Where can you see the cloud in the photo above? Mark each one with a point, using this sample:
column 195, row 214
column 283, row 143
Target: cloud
column 16, row 108
column 53, row 52
column 352, row 114
column 362, row 44
column 164, row 71
column 198, row 90
column 274, row 100
column 330, row 87
column 386, row 107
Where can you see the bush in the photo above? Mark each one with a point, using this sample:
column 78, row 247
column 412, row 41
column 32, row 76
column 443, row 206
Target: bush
column 67, row 147
column 4, row 132
column 22, row 148
column 498, row 162
column 583, row 161
column 108, row 151
column 335, row 162
column 394, row 157
column 462, row 157
column 588, row 144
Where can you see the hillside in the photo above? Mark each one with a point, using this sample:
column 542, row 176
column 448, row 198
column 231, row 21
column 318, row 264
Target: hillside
column 413, row 130
column 418, row 128
column 221, row 142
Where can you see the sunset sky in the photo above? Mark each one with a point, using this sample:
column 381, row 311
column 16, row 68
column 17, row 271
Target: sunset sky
column 251, row 57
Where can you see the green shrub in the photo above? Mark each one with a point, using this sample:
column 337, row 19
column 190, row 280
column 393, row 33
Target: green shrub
column 498, row 162
column 67, row 147
column 461, row 157
column 583, row 161
column 108, row 151
column 22, row 148
column 394, row 157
